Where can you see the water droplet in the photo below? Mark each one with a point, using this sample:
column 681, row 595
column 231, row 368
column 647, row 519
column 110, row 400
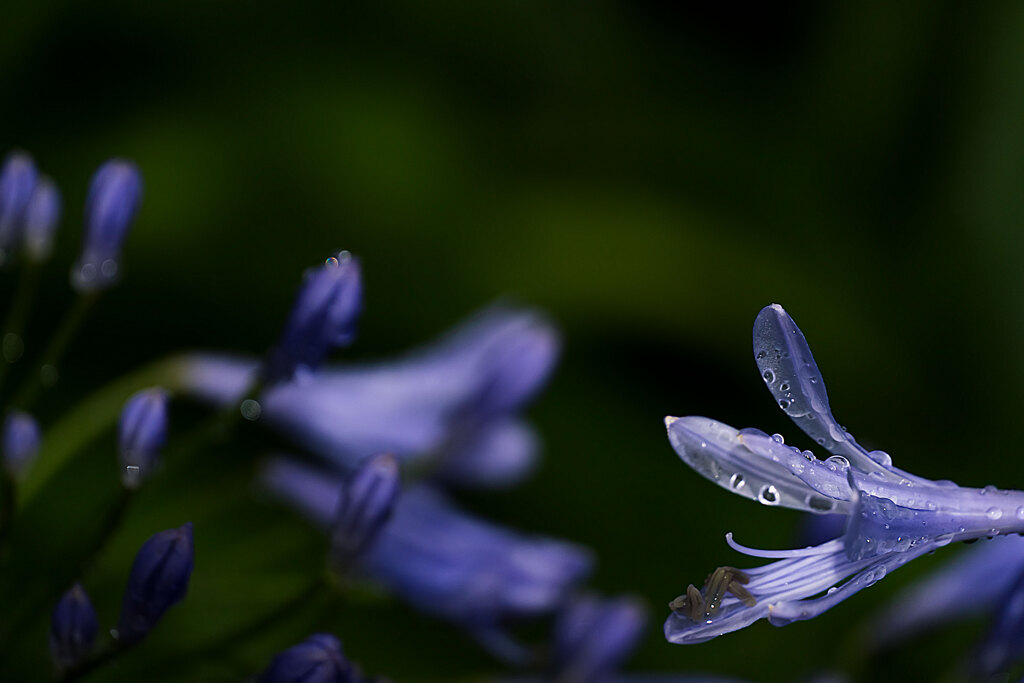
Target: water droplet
column 1020, row 512
column 989, row 489
column 784, row 387
column 769, row 376
column 836, row 433
column 820, row 503
column 783, row 404
column 48, row 375
column 993, row 513
column 108, row 268
column 761, row 354
column 344, row 256
column 13, row 347
column 768, row 495
column 809, row 455
column 736, row 482
column 944, row 539
column 831, row 590
column 837, row 462
column 251, row 410
column 331, row 262
column 132, row 476
column 703, row 444
column 814, row 380
column 778, row 438
column 881, row 457
column 87, row 273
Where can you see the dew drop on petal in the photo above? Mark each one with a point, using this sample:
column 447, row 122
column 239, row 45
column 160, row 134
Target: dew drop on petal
column 777, row 438
column 994, row 513
column 837, row 462
column 881, row 457
column 1020, row 512
column 736, row 482
column 251, row 410
column 769, row 376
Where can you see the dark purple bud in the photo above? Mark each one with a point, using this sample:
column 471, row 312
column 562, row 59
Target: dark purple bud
column 141, row 434
column 366, row 503
column 593, row 637
column 41, row 218
column 323, row 317
column 73, row 628
column 17, row 183
column 113, row 200
column 518, row 366
column 159, row 579
column 21, row 441
column 318, row 659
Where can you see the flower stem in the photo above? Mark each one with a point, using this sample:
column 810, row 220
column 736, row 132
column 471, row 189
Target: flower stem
column 18, row 314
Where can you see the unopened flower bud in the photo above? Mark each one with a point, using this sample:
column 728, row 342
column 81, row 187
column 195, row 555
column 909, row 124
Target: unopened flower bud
column 113, row 200
column 72, row 629
column 18, row 178
column 21, row 440
column 142, row 432
column 323, row 317
column 158, row 580
column 366, row 503
column 41, row 218
column 318, row 659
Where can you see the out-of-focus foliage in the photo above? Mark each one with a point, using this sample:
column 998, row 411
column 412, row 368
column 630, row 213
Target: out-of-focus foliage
column 650, row 176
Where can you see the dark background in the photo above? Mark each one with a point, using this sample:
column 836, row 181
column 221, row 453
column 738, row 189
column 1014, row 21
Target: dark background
column 651, row 176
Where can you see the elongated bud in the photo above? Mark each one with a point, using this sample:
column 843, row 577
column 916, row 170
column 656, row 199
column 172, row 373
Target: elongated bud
column 318, row 659
column 366, row 503
column 21, row 441
column 158, row 580
column 72, row 629
column 114, row 198
column 519, row 365
column 323, row 317
column 17, row 183
column 41, row 218
column 141, row 434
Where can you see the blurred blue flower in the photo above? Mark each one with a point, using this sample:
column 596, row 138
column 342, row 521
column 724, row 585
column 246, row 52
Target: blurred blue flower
column 892, row 516
column 110, row 207
column 73, row 628
column 1003, row 645
column 41, row 217
column 21, row 439
column 158, row 580
column 593, row 637
column 365, row 504
column 142, row 432
column 453, row 401
column 444, row 561
column 323, row 317
column 18, row 178
column 318, row 659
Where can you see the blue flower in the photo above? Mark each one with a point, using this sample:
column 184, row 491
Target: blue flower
column 142, row 432
column 365, row 504
column 41, row 217
column 892, row 516
column 453, row 402
column 318, row 659
column 444, row 561
column 18, row 178
column 110, row 207
column 73, row 628
column 593, row 637
column 158, row 580
column 21, row 439
column 323, row 317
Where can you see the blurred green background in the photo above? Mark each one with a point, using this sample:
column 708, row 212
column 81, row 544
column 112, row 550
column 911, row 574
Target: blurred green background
column 649, row 174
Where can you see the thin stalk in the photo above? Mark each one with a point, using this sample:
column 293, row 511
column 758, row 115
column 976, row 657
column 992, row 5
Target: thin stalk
column 18, row 314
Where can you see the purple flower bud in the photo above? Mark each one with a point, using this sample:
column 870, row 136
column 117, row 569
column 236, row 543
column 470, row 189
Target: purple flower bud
column 519, row 365
column 158, row 580
column 366, row 503
column 324, row 317
column 17, row 182
column 318, row 659
column 21, row 441
column 141, row 434
column 73, row 628
column 593, row 637
column 41, row 218
column 113, row 200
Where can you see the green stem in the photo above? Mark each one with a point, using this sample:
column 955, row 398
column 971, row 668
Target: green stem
column 51, row 357
column 18, row 314
column 97, row 661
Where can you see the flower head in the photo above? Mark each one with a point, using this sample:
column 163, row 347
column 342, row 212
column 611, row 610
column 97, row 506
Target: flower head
column 892, row 516
column 21, row 439
column 110, row 207
column 158, row 580
column 142, row 432
column 18, row 177
column 72, row 628
column 41, row 217
column 324, row 317
column 593, row 637
column 317, row 659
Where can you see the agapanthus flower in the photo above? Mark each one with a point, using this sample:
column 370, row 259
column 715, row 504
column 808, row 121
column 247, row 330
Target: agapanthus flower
column 158, row 580
column 892, row 516
column 594, row 636
column 318, row 659
column 453, row 402
column 142, row 431
column 115, row 194
column 21, row 440
column 40, row 221
column 18, row 177
column 444, row 561
column 73, row 628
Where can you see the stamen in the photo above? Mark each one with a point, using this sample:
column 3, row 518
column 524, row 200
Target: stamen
column 810, row 551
